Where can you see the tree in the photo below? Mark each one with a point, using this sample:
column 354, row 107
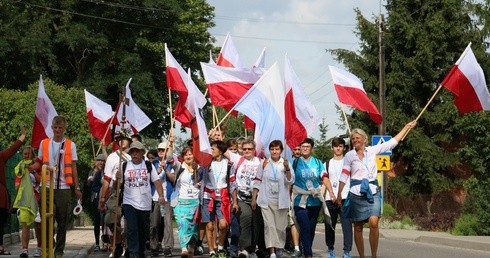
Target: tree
column 423, row 40
column 99, row 45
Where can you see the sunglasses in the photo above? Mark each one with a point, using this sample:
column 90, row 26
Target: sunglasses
column 247, row 149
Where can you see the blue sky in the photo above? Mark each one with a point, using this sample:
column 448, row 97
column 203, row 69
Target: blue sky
column 301, row 28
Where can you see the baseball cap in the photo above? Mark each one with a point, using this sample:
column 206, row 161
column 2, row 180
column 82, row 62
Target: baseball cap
column 136, row 145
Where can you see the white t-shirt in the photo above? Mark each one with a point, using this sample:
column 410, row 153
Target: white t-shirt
column 246, row 172
column 334, row 172
column 187, row 188
column 54, row 150
column 112, row 165
column 216, row 178
column 137, row 189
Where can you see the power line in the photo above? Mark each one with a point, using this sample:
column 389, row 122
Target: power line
column 91, row 16
column 125, row 6
column 233, row 18
column 287, row 40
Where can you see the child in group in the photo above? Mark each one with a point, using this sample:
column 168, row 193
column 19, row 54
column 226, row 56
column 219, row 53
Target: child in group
column 27, row 201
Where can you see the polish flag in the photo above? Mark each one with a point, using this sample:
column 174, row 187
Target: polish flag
column 264, row 104
column 175, row 81
column 43, row 116
column 301, row 116
column 261, row 60
column 201, row 148
column 351, row 92
column 99, row 116
column 227, row 85
column 136, row 118
column 228, row 56
column 467, row 81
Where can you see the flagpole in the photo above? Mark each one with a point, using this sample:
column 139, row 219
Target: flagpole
column 345, row 118
column 108, row 127
column 222, row 120
column 93, row 146
column 171, row 112
column 215, row 116
column 423, row 110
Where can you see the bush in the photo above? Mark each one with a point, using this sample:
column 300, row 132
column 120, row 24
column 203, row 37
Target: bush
column 388, row 210
column 437, row 221
column 466, row 225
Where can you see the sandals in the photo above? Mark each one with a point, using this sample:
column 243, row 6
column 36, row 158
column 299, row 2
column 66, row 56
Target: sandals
column 4, row 252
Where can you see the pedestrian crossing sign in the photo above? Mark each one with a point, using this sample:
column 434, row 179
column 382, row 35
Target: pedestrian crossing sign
column 379, row 139
column 383, row 163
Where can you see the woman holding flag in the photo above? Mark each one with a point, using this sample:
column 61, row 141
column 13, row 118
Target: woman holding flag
column 364, row 200
column 185, row 199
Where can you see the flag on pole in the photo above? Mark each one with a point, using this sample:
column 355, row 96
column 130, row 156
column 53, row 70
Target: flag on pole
column 301, row 116
column 176, row 77
column 45, row 112
column 260, row 63
column 200, row 141
column 136, row 118
column 264, row 104
column 99, row 116
column 351, row 92
column 227, row 85
column 467, row 81
column 228, row 56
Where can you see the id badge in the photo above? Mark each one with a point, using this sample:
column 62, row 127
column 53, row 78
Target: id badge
column 217, row 192
column 274, row 187
column 309, row 185
column 335, row 185
column 140, row 182
column 189, row 192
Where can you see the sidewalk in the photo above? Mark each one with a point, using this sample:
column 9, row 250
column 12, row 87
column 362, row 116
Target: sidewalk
column 80, row 241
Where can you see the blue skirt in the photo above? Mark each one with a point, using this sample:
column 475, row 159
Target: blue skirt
column 360, row 209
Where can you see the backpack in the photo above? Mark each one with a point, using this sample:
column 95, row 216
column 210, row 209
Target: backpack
column 149, row 168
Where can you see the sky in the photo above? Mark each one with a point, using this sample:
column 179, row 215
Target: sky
column 303, row 29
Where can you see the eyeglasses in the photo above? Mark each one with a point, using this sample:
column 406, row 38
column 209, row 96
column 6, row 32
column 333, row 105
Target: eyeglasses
column 247, row 149
column 161, row 149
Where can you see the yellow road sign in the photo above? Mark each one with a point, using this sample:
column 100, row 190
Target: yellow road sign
column 383, row 162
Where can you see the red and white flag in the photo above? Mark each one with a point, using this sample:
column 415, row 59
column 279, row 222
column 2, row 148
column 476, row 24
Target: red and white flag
column 260, row 63
column 200, row 140
column 45, row 112
column 264, row 104
column 135, row 117
column 176, row 77
column 227, row 85
column 351, row 92
column 467, row 81
column 99, row 116
column 301, row 115
column 228, row 56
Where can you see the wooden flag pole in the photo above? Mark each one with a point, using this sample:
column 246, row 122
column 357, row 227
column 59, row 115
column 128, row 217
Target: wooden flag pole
column 345, row 118
column 215, row 116
column 423, row 110
column 107, row 130
column 172, row 118
column 223, row 119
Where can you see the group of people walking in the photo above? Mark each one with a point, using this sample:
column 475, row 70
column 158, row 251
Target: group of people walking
column 241, row 203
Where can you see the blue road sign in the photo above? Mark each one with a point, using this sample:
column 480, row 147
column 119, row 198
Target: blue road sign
column 379, row 139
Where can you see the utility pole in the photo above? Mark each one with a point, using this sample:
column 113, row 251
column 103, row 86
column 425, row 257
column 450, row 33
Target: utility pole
column 382, row 86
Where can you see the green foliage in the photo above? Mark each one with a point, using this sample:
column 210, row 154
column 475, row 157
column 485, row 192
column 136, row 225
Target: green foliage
column 19, row 108
column 466, row 225
column 423, row 39
column 99, row 45
column 479, row 194
column 388, row 210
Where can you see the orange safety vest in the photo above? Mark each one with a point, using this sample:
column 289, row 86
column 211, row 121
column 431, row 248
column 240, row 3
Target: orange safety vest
column 67, row 158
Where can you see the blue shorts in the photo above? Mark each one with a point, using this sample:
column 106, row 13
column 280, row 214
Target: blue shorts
column 361, row 209
column 209, row 216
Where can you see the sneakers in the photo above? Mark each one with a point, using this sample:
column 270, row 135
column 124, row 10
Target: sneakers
column 252, row 255
column 96, row 248
column 273, row 255
column 199, row 250
column 38, row 252
column 167, row 252
column 154, row 253
column 331, row 253
column 297, row 253
column 24, row 253
column 346, row 254
column 222, row 254
column 213, row 255
column 243, row 254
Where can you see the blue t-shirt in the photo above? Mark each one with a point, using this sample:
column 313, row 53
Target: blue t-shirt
column 308, row 174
